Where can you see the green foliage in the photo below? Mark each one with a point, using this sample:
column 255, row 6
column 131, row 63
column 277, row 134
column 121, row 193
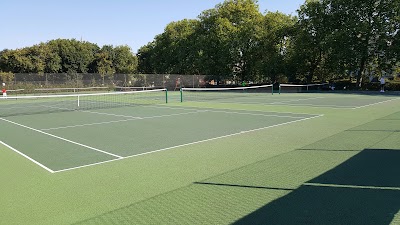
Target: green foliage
column 6, row 77
column 330, row 39
column 69, row 56
column 335, row 38
column 124, row 61
column 272, row 55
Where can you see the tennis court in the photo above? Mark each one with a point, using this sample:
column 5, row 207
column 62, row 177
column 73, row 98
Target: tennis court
column 215, row 158
column 78, row 138
column 290, row 95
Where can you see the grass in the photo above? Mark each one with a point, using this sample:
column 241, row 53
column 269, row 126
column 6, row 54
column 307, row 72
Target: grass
column 257, row 177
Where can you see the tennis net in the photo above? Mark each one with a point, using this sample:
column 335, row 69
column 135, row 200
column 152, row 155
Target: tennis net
column 210, row 94
column 117, row 88
column 69, row 90
column 25, row 105
column 299, row 88
column 15, row 92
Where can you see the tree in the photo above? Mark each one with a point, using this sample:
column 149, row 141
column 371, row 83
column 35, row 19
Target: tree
column 310, row 41
column 104, row 62
column 362, row 30
column 173, row 50
column 145, row 57
column 124, row 61
column 6, row 77
column 17, row 61
column 229, row 36
column 76, row 56
column 275, row 40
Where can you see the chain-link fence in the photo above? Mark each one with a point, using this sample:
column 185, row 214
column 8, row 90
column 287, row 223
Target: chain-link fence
column 29, row 81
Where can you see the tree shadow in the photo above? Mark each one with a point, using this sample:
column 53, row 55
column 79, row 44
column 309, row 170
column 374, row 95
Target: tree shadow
column 363, row 190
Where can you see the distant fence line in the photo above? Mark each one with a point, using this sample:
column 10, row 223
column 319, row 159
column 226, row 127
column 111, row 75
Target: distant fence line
column 49, row 80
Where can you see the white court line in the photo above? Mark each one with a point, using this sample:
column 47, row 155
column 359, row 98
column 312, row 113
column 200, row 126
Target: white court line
column 176, row 114
column 216, row 110
column 117, row 121
column 109, row 114
column 295, row 100
column 88, row 124
column 283, row 104
column 27, row 157
column 254, row 114
column 191, row 143
column 189, row 109
column 352, row 186
column 245, row 110
column 359, row 107
column 87, row 165
column 317, row 106
column 166, row 107
column 54, row 136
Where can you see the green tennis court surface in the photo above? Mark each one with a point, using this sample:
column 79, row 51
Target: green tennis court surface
column 252, row 158
column 87, row 137
column 290, row 99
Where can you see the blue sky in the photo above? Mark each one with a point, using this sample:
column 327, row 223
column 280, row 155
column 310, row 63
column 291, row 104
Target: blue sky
column 116, row 22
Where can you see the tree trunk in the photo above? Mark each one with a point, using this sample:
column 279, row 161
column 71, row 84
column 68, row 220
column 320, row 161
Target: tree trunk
column 360, row 74
column 311, row 74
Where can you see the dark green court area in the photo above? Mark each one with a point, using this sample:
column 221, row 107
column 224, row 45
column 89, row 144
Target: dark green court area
column 65, row 140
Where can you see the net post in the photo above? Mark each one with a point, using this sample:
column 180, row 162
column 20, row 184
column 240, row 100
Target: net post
column 272, row 89
column 166, row 96
column 181, row 94
column 279, row 89
column 78, row 102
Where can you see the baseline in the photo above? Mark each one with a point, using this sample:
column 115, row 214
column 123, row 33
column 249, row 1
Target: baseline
column 359, row 107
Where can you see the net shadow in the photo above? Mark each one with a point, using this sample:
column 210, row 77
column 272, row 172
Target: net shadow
column 244, row 186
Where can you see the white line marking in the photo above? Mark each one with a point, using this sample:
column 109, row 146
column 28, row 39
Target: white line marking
column 352, row 186
column 27, row 157
column 166, row 107
column 192, row 143
column 51, row 135
column 88, row 124
column 117, row 121
column 87, row 165
column 254, row 114
column 216, row 110
column 211, row 109
column 295, row 100
column 282, row 104
column 109, row 114
column 359, row 107
column 316, row 106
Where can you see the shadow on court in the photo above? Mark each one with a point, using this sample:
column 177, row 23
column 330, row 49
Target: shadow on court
column 365, row 189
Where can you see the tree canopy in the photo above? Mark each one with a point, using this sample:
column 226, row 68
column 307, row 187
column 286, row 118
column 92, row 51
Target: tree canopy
column 68, row 56
column 328, row 39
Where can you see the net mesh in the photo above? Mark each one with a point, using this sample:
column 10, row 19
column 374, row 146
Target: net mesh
column 210, row 94
column 136, row 88
column 70, row 90
column 15, row 92
column 25, row 105
column 296, row 88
